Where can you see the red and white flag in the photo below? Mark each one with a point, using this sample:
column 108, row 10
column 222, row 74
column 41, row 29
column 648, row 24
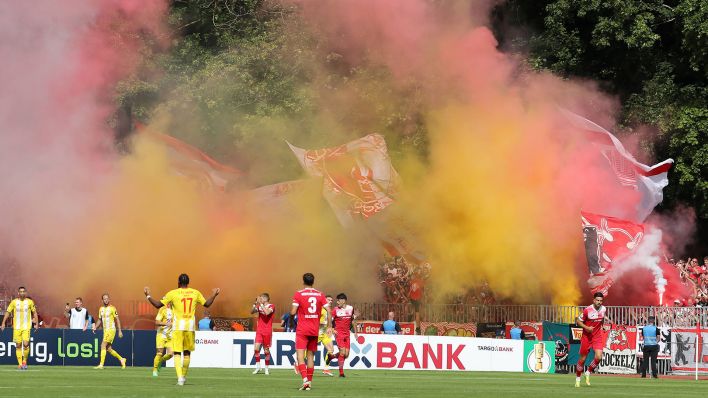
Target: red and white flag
column 608, row 240
column 648, row 180
column 359, row 179
column 189, row 162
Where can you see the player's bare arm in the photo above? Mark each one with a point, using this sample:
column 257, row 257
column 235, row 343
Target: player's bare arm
column 96, row 325
column 4, row 319
column 210, row 300
column 255, row 306
column 35, row 318
column 585, row 327
column 120, row 331
column 155, row 303
column 268, row 310
column 329, row 320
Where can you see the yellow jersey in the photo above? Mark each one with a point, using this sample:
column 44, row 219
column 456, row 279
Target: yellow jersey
column 22, row 313
column 108, row 315
column 184, row 305
column 163, row 315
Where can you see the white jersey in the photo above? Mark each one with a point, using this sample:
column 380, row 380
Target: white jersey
column 78, row 318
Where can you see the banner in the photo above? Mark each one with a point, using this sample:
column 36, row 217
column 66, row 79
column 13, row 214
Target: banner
column 79, row 348
column 664, row 343
column 607, row 240
column 491, row 330
column 449, row 329
column 684, row 343
column 539, row 356
column 374, row 327
column 532, row 330
column 620, row 352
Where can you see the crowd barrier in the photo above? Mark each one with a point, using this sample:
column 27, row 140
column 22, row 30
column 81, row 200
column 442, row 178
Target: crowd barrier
column 235, row 350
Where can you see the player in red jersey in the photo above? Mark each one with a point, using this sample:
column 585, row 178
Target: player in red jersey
column 343, row 317
column 591, row 321
column 264, row 330
column 307, row 304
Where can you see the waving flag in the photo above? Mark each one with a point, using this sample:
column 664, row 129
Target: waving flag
column 608, row 240
column 648, row 180
column 359, row 179
column 190, row 162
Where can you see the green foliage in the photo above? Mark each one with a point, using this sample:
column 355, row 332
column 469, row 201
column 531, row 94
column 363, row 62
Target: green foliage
column 650, row 53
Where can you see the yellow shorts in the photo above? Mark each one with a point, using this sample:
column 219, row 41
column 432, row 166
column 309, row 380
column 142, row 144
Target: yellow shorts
column 162, row 341
column 109, row 335
column 182, row 340
column 324, row 338
column 20, row 335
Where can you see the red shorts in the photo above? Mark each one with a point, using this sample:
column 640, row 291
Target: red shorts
column 264, row 338
column 343, row 340
column 303, row 342
column 595, row 342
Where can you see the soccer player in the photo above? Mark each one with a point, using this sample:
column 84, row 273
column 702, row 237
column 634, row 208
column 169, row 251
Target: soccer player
column 163, row 340
column 21, row 308
column 308, row 304
column 108, row 315
column 184, row 304
column 326, row 338
column 264, row 330
column 591, row 321
column 343, row 317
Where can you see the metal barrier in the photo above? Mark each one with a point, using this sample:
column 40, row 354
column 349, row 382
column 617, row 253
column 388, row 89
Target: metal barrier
column 461, row 313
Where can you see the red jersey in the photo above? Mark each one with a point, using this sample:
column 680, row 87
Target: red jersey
column 309, row 303
column 342, row 318
column 416, row 292
column 265, row 322
column 593, row 317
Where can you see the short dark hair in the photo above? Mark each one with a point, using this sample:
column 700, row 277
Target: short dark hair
column 266, row 295
column 20, row 288
column 80, row 299
column 341, row 296
column 328, row 296
column 598, row 294
column 183, row 280
column 308, row 279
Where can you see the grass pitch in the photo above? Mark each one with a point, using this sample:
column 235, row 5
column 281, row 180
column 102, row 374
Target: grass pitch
column 56, row 381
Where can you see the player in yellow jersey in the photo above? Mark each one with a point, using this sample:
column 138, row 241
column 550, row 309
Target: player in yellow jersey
column 24, row 313
column 108, row 316
column 326, row 339
column 163, row 340
column 184, row 304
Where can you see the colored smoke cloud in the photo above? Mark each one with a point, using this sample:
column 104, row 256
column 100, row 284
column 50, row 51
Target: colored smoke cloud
column 496, row 199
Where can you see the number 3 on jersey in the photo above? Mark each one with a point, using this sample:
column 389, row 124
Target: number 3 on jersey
column 313, row 305
column 184, row 300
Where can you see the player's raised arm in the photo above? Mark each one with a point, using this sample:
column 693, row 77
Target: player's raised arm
column 155, row 303
column 256, row 304
column 210, row 300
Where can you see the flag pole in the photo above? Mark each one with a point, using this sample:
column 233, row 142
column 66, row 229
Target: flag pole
column 698, row 338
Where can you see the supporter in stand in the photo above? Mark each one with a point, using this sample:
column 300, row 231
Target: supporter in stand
column 516, row 333
column 391, row 326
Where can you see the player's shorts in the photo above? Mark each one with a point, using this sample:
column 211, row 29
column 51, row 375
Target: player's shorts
column 20, row 335
column 303, row 342
column 109, row 335
column 264, row 338
column 162, row 341
column 343, row 340
column 595, row 342
column 324, row 338
column 182, row 340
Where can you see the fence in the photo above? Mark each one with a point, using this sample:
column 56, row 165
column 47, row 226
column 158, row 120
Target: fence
column 460, row 313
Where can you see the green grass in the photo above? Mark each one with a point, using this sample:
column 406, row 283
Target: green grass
column 53, row 382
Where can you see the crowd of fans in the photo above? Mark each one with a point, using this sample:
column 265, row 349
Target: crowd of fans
column 404, row 282
column 695, row 275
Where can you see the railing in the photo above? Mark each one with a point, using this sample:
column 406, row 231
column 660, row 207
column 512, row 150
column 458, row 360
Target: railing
column 461, row 313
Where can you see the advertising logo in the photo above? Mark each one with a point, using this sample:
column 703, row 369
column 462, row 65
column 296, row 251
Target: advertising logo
column 538, row 359
column 360, row 352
